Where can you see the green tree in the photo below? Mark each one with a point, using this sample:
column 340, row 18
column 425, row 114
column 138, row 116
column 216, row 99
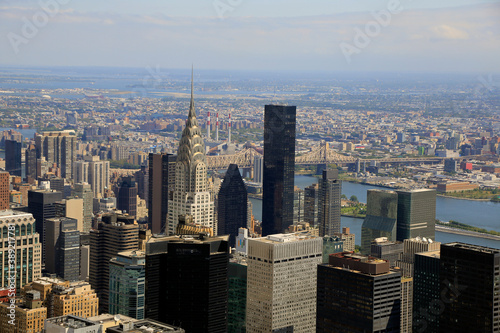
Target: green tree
column 354, row 198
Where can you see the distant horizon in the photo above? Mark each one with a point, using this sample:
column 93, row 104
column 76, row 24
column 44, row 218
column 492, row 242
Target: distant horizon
column 452, row 36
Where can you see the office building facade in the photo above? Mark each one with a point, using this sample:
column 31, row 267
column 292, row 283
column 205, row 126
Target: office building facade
column 381, row 218
column 13, row 157
column 281, row 292
column 127, row 278
column 4, row 190
column 63, row 248
column 159, row 186
column 195, row 276
column 311, row 198
column 358, row 294
column 279, row 168
column 330, row 190
column 231, row 207
column 426, row 292
column 28, row 248
column 116, row 233
column 469, row 286
column 30, row 163
column 126, row 196
column 84, row 191
column 416, row 214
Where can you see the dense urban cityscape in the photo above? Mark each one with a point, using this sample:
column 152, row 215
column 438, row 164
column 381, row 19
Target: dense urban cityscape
column 320, row 168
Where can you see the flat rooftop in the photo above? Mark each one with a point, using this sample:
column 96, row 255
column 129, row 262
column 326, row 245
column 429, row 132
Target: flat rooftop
column 472, row 247
column 432, row 254
column 286, row 238
column 71, row 322
column 9, row 212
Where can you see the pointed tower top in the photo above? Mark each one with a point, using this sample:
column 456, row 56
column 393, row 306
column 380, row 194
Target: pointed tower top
column 191, row 105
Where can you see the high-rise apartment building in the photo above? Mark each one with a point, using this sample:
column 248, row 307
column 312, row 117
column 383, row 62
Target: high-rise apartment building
column 330, row 190
column 231, row 207
column 127, row 278
column 59, row 148
column 126, row 195
column 63, row 248
column 195, row 278
column 281, row 294
column 30, row 160
column 41, row 203
column 116, row 233
column 94, row 171
column 416, row 214
column 4, row 190
column 469, row 282
column 258, row 169
column 191, row 195
column 21, row 227
column 161, row 181
column 426, row 292
column 381, row 218
column 84, row 191
column 298, row 205
column 311, row 198
column 26, row 317
column 279, row 168
column 358, row 294
column 13, row 157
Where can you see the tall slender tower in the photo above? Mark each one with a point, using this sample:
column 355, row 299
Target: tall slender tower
column 229, row 129
column 217, row 127
column 191, row 195
column 208, row 126
column 279, row 165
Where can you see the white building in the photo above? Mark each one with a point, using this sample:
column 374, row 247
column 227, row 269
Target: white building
column 95, row 172
column 281, row 285
column 191, row 194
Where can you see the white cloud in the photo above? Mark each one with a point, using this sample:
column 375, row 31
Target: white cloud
column 447, row 32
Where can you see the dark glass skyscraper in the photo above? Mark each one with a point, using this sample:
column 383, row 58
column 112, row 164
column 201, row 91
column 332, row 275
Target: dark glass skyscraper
column 30, row 162
column 232, row 208
column 42, row 205
column 13, row 157
column 470, row 292
column 279, row 165
column 426, row 292
column 161, row 178
column 416, row 214
column 196, row 284
column 127, row 196
column 330, row 190
column 358, row 294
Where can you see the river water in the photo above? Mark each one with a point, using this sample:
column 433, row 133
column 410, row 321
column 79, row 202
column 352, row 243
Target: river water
column 477, row 213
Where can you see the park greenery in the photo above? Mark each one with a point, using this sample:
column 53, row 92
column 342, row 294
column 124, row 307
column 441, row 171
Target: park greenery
column 122, row 164
column 463, row 226
column 484, row 194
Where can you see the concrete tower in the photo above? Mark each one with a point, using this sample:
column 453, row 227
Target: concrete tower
column 191, row 195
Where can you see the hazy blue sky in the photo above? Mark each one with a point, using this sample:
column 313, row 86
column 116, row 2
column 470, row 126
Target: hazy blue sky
column 421, row 35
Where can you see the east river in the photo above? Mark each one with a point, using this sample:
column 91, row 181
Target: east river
column 482, row 214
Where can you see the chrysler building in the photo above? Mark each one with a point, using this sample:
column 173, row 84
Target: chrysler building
column 191, row 194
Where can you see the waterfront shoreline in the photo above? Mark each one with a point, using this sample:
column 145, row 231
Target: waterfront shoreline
column 466, row 233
